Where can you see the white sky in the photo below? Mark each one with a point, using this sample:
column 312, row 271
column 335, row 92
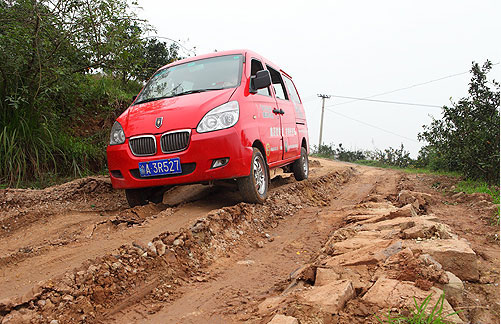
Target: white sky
column 350, row 48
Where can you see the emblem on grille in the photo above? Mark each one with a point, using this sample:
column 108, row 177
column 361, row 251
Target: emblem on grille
column 158, row 122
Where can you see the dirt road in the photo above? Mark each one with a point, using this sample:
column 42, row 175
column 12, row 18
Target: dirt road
column 77, row 254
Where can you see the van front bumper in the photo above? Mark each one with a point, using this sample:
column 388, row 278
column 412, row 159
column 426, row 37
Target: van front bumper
column 196, row 161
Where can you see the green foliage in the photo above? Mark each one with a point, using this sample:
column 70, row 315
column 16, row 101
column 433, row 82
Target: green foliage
column 388, row 157
column 325, row 151
column 394, row 157
column 466, row 138
column 420, row 315
column 340, row 153
column 67, row 70
column 349, row 156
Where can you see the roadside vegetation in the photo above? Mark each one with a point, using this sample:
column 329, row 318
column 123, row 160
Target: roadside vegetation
column 422, row 314
column 67, row 70
column 463, row 143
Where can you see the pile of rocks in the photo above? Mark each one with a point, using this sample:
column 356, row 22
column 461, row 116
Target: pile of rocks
column 384, row 258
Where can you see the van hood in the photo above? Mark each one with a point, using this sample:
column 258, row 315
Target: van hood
column 180, row 112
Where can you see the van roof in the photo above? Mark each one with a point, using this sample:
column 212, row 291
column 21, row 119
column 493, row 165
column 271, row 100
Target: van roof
column 230, row 52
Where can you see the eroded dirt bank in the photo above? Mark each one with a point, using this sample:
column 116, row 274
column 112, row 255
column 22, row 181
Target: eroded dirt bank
column 349, row 243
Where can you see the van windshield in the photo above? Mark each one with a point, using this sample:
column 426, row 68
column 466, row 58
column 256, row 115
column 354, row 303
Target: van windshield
column 214, row 73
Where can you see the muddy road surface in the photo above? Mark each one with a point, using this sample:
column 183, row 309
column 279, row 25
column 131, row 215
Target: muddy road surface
column 346, row 245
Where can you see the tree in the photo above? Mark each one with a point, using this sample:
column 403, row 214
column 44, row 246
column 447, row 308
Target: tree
column 156, row 54
column 48, row 51
column 466, row 138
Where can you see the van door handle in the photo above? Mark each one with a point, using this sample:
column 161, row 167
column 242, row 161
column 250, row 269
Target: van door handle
column 277, row 111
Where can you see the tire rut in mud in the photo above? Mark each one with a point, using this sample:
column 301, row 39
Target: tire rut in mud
column 103, row 286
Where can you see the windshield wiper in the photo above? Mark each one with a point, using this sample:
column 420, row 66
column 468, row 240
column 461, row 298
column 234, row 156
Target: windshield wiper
column 194, row 91
column 150, row 99
column 175, row 95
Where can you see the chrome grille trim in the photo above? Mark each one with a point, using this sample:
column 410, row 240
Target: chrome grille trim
column 142, row 146
column 175, row 141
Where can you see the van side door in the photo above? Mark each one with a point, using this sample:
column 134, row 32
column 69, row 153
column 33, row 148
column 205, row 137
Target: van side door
column 301, row 124
column 268, row 118
column 291, row 147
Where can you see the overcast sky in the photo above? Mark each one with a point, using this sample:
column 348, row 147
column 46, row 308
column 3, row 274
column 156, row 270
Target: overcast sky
column 350, row 48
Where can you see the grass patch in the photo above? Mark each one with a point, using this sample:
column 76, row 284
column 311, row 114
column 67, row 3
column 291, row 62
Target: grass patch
column 472, row 186
column 409, row 169
column 420, row 315
column 65, row 137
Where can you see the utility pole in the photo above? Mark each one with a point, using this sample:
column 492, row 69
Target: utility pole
column 323, row 96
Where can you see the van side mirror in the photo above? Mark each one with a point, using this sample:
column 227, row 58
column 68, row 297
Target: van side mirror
column 134, row 98
column 261, row 80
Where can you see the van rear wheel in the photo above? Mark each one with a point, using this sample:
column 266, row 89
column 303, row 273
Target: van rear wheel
column 254, row 187
column 300, row 167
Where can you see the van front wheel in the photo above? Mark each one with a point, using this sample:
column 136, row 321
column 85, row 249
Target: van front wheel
column 300, row 167
column 141, row 196
column 254, row 188
column 136, row 197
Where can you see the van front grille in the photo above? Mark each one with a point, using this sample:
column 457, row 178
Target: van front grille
column 143, row 145
column 175, row 141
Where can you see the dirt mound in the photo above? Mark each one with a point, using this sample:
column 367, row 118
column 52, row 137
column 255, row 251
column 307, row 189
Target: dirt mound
column 76, row 189
column 20, row 208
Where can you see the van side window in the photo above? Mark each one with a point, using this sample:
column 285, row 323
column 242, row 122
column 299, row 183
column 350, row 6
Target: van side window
column 258, row 66
column 292, row 90
column 278, row 84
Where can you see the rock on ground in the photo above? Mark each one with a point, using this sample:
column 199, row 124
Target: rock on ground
column 325, row 276
column 454, row 289
column 390, row 293
column 282, row 319
column 455, row 256
column 330, row 298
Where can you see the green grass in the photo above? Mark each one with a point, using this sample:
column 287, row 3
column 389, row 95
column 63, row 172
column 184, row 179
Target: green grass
column 472, row 186
column 40, row 147
column 409, row 169
column 420, row 315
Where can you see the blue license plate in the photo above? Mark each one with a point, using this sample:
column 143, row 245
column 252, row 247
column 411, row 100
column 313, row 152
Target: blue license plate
column 160, row 167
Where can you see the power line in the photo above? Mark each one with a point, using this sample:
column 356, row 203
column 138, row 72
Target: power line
column 373, row 126
column 405, row 88
column 400, row 89
column 308, row 98
column 386, row 101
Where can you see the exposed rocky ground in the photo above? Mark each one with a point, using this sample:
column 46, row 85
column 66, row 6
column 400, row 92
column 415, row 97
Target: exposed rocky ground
column 344, row 246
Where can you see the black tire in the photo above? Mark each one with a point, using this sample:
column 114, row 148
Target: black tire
column 137, row 197
column 300, row 167
column 254, row 188
column 141, row 196
column 156, row 194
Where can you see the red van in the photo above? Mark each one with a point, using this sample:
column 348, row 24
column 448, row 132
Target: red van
column 222, row 116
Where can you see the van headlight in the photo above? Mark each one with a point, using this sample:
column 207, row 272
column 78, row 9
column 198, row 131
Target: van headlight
column 221, row 117
column 117, row 135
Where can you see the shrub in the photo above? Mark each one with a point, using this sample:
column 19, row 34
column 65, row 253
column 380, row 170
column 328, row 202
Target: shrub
column 466, row 138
